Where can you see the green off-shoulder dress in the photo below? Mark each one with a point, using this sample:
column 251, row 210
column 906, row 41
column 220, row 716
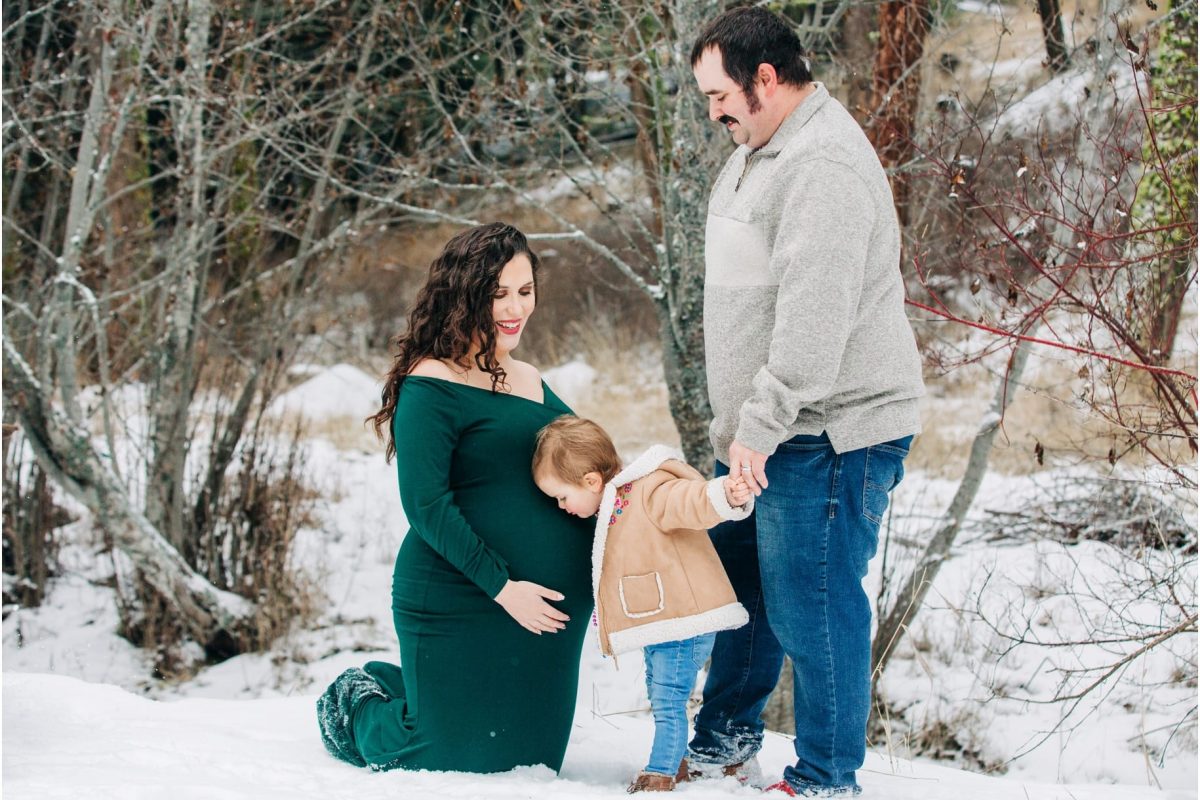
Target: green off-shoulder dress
column 475, row 691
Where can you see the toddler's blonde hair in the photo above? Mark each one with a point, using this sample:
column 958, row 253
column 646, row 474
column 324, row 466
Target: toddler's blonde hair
column 571, row 447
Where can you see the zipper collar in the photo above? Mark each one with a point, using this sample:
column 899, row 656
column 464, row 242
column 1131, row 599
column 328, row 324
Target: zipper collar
column 794, row 122
column 788, row 130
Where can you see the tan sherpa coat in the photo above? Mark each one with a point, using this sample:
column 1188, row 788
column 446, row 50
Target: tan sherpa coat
column 655, row 573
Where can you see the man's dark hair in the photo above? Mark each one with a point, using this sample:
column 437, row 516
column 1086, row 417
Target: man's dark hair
column 747, row 37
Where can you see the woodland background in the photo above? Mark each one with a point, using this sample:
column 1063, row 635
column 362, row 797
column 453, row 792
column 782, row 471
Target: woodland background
column 207, row 204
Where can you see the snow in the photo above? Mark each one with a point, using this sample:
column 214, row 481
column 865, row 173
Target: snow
column 246, row 727
column 991, row 9
column 990, row 693
column 990, row 420
column 73, row 633
column 340, row 390
column 571, row 381
column 1010, row 78
column 1054, row 107
column 99, row 741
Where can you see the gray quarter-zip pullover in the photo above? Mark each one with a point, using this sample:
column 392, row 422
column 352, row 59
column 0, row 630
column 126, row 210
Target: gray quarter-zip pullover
column 804, row 323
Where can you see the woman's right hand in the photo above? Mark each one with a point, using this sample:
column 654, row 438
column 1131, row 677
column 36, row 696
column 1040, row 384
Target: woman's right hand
column 526, row 603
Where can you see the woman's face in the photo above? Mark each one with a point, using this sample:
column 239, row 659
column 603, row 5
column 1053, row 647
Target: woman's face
column 513, row 303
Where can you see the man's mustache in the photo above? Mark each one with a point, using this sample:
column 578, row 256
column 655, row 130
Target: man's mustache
column 725, row 119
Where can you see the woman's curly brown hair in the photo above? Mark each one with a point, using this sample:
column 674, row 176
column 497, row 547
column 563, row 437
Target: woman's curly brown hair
column 453, row 310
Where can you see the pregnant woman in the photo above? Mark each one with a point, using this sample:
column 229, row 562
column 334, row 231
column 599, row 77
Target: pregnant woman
column 491, row 593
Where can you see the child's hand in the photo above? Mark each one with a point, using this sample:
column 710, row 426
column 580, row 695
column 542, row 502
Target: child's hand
column 737, row 493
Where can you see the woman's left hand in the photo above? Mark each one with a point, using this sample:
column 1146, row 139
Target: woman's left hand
column 526, row 603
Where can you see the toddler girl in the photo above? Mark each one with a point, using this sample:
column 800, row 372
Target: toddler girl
column 657, row 580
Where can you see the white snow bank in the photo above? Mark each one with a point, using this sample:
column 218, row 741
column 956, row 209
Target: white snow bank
column 341, row 390
column 1056, row 106
column 1012, row 76
column 66, row 738
column 73, row 632
column 571, row 381
column 991, row 9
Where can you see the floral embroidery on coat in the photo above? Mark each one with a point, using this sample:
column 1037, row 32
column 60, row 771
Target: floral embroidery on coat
column 620, row 503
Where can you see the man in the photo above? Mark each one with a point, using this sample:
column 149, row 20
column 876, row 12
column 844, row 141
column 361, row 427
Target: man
column 814, row 380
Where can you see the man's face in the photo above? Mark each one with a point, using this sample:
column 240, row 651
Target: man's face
column 742, row 116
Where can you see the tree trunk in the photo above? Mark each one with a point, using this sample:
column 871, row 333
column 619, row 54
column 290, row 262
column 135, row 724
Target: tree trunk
column 683, row 366
column 1167, row 195
column 175, row 373
column 1052, row 34
column 65, row 453
column 895, row 90
column 643, row 103
column 858, row 24
column 694, row 158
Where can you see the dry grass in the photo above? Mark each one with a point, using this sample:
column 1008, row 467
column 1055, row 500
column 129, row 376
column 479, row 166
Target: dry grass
column 977, row 41
column 629, row 398
column 586, row 310
column 390, row 265
column 1047, row 411
column 346, row 433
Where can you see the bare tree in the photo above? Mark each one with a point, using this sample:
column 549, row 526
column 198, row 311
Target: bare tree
column 895, row 90
column 550, row 71
column 222, row 156
column 1048, row 264
column 1109, row 616
column 891, row 628
column 183, row 175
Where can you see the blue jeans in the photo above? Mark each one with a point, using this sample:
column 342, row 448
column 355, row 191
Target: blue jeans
column 797, row 565
column 671, row 669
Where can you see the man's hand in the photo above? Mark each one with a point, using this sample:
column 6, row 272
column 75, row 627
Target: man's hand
column 748, row 464
column 737, row 493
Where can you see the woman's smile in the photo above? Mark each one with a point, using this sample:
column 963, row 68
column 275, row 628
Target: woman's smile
column 513, row 302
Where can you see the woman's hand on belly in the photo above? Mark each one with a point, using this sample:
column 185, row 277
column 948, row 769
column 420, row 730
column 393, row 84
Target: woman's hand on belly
column 526, row 603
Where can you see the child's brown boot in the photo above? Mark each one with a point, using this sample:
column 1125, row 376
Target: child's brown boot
column 651, row 782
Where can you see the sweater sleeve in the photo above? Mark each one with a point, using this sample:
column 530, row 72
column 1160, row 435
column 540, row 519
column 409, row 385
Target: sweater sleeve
column 819, row 253
column 690, row 503
column 426, row 429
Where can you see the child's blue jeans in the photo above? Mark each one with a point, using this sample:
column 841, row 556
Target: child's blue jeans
column 671, row 669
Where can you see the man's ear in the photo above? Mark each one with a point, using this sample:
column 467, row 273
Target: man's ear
column 594, row 481
column 768, row 78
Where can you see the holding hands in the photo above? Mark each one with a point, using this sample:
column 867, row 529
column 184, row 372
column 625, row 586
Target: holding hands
column 748, row 464
column 737, row 491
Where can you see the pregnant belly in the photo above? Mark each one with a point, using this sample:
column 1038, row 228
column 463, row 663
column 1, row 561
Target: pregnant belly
column 557, row 557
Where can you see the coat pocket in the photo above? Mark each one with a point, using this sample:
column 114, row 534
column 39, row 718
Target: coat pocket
column 642, row 595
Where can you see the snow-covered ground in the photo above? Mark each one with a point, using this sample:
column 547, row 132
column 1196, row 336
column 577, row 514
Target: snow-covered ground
column 81, row 715
column 70, row 739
